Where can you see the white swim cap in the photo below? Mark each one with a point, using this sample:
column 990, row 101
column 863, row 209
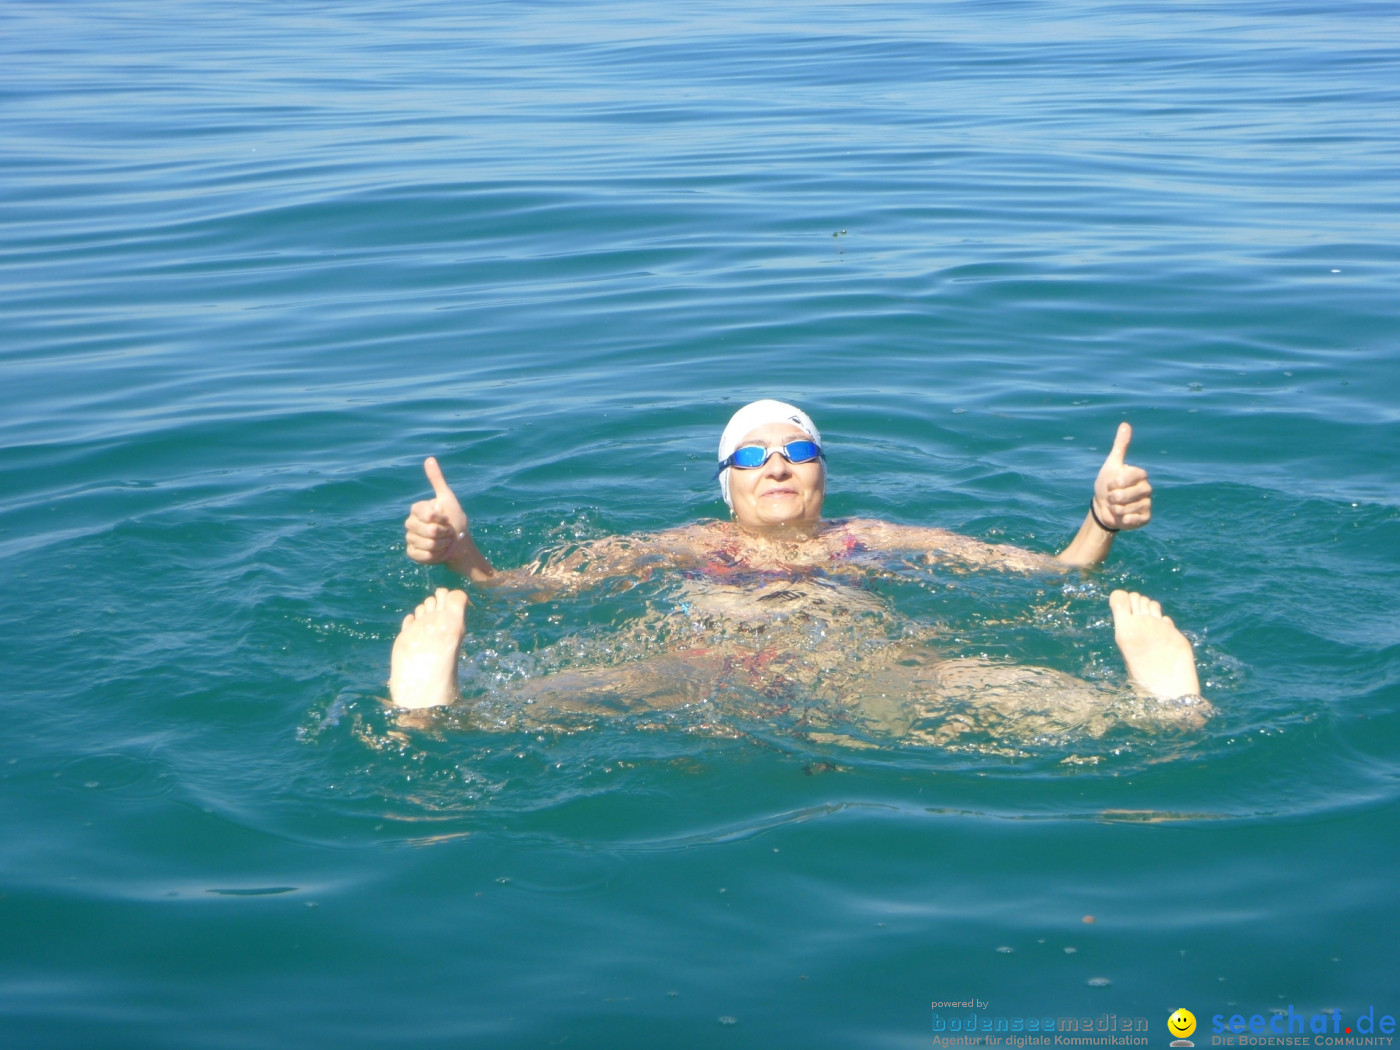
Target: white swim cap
column 750, row 418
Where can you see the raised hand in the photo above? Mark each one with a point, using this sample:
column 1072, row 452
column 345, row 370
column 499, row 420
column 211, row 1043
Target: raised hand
column 435, row 526
column 1122, row 496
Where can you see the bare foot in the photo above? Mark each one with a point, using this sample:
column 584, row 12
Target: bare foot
column 423, row 668
column 1159, row 657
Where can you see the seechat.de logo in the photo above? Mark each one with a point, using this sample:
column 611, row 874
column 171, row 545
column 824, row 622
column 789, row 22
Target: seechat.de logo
column 1181, row 1024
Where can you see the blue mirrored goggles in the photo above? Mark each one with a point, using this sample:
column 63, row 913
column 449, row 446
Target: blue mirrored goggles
column 752, row 456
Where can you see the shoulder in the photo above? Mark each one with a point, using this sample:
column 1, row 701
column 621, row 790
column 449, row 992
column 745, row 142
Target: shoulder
column 683, row 545
column 698, row 534
column 890, row 535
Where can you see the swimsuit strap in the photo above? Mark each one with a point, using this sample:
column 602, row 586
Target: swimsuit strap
column 849, row 546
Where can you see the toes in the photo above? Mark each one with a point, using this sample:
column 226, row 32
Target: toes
column 439, row 602
column 407, row 623
column 1147, row 607
column 1131, row 603
column 1142, row 605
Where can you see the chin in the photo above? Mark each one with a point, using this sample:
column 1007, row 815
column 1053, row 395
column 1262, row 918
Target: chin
column 797, row 517
column 784, row 511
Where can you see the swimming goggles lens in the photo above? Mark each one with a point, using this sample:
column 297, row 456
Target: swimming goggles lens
column 751, row 456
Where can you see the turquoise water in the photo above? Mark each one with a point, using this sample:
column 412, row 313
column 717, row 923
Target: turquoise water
column 256, row 261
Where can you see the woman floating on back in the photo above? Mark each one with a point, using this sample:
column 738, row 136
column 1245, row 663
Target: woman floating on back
column 778, row 563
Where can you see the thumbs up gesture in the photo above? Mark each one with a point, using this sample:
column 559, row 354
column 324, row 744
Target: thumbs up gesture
column 434, row 526
column 1122, row 496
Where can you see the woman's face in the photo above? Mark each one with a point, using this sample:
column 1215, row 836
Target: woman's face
column 779, row 492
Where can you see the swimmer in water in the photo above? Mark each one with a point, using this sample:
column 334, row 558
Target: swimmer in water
column 777, row 566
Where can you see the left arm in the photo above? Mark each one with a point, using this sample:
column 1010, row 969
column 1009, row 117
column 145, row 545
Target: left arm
column 1122, row 501
column 940, row 545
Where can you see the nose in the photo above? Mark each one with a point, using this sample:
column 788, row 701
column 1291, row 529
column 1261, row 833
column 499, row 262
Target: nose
column 777, row 466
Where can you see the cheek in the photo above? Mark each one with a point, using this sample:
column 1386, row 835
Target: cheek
column 741, row 484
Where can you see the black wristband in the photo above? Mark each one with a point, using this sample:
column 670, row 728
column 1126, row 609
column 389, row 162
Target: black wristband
column 1095, row 515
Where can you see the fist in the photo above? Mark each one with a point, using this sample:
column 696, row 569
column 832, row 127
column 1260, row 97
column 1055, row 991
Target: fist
column 1122, row 496
column 434, row 526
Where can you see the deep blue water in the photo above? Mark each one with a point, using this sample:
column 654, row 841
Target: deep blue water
column 258, row 260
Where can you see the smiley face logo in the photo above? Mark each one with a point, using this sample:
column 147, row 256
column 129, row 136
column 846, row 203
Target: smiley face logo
column 1182, row 1023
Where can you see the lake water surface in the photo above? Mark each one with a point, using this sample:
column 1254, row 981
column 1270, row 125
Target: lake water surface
column 258, row 260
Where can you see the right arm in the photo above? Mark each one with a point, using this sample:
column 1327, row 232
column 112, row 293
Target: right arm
column 436, row 533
